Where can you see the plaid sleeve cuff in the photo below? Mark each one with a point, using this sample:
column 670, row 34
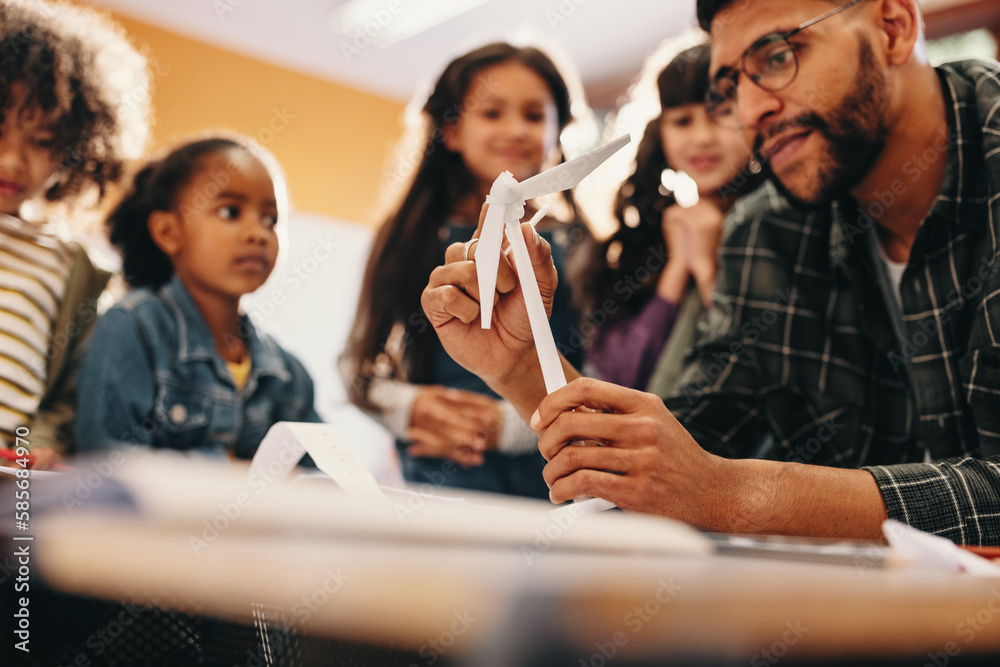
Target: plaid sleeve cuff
column 956, row 498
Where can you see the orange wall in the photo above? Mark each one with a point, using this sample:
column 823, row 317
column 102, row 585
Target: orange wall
column 334, row 140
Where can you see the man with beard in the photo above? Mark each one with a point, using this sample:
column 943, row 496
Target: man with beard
column 857, row 329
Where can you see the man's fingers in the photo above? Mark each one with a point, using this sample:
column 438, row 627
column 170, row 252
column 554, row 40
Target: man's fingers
column 587, row 425
column 538, row 248
column 456, row 255
column 585, row 457
column 588, row 409
column 590, row 393
column 459, row 274
column 452, row 291
column 506, row 276
column 540, row 254
column 482, row 220
column 593, row 484
column 443, row 304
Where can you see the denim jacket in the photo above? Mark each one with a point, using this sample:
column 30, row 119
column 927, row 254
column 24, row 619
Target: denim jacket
column 152, row 376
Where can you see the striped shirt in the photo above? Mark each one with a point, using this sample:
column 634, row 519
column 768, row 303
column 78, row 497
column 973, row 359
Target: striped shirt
column 810, row 353
column 34, row 267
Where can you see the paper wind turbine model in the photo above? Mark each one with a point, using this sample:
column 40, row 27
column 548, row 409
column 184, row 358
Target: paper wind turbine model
column 506, row 208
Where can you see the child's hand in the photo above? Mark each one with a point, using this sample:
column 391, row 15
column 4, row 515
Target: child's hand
column 45, row 458
column 692, row 236
column 453, row 424
column 40, row 458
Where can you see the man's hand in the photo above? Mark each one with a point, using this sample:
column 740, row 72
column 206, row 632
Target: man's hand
column 453, row 424
column 648, row 462
column 504, row 354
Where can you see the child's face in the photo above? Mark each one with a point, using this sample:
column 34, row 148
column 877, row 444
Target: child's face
column 508, row 122
column 695, row 144
column 225, row 243
column 26, row 156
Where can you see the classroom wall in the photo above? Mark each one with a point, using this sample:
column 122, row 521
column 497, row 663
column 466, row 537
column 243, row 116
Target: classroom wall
column 331, row 140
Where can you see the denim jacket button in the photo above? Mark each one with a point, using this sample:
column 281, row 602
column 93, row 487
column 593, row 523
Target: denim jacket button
column 178, row 414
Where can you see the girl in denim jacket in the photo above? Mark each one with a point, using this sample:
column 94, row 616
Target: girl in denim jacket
column 175, row 364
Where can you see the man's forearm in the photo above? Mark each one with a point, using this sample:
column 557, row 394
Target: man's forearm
column 780, row 498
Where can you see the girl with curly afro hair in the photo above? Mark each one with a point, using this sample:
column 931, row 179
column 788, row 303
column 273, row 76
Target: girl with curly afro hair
column 74, row 107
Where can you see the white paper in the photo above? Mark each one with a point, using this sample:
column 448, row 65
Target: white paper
column 287, row 442
column 33, row 474
column 933, row 551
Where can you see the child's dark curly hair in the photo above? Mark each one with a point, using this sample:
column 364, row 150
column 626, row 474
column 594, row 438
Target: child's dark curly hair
column 80, row 68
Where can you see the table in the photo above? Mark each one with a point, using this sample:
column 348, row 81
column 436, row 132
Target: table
column 455, row 598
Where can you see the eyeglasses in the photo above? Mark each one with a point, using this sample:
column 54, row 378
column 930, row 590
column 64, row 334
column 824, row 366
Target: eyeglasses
column 770, row 63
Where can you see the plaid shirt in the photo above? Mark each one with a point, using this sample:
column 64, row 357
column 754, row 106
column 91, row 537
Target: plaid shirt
column 808, row 358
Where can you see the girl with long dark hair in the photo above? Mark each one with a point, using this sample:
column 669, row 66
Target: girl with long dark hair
column 496, row 108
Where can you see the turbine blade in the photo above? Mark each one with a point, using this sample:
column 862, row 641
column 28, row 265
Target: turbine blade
column 488, row 259
column 541, row 332
column 568, row 174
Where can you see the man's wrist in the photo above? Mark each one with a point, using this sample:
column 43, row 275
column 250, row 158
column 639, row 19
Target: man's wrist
column 733, row 500
column 523, row 385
